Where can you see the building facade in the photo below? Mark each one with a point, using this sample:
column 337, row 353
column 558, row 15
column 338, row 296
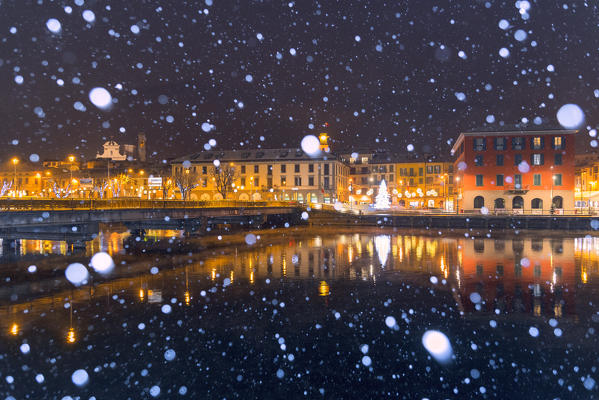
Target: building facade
column 269, row 174
column 515, row 171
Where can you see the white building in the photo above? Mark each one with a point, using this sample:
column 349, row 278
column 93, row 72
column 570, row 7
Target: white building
column 112, row 151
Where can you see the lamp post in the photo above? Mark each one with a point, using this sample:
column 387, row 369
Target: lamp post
column 457, row 198
column 71, row 160
column 15, row 161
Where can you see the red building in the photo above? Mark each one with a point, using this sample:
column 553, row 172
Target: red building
column 515, row 171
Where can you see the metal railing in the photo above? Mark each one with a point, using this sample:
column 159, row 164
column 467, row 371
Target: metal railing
column 130, row 203
column 529, row 211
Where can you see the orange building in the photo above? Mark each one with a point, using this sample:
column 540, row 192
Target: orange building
column 521, row 172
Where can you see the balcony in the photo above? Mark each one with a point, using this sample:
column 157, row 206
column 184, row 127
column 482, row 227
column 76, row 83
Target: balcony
column 516, row 189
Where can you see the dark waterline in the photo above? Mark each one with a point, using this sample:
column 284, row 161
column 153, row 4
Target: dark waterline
column 291, row 318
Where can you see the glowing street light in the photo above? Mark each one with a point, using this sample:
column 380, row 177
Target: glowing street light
column 15, row 161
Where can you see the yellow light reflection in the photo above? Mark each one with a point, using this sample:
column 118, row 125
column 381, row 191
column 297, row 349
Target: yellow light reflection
column 584, row 277
column 323, row 289
column 14, row 329
column 252, row 277
column 71, row 336
column 187, row 297
column 141, row 294
column 213, row 274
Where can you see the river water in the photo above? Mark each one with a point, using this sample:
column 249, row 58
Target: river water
column 304, row 313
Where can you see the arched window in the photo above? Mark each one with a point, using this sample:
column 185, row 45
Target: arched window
column 402, row 203
column 558, row 202
column 479, row 202
column 499, row 203
column 518, row 202
column 536, row 204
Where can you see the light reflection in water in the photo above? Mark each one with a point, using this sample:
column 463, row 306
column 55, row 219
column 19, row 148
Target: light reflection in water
column 539, row 276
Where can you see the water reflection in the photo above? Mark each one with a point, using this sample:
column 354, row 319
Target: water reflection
column 538, row 276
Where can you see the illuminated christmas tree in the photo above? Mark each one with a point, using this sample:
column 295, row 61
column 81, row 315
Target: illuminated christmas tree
column 382, row 197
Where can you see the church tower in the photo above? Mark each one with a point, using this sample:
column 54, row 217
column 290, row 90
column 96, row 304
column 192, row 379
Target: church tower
column 141, row 147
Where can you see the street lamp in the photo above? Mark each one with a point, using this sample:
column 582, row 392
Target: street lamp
column 457, row 198
column 71, row 160
column 15, row 161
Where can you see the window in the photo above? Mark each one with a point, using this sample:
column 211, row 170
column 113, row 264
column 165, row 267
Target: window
column 310, row 167
column 243, row 169
column 412, row 172
column 499, row 159
column 479, row 202
column 537, row 143
column 429, row 180
column 499, row 180
column 517, row 143
column 479, row 180
column 204, row 170
column 479, row 144
column 558, row 143
column 390, row 168
column 558, row 159
column 283, row 168
column 326, row 169
column 517, row 159
column 536, row 180
column 269, row 170
column 518, row 181
column 256, row 169
column 478, row 160
column 297, row 168
column 326, row 182
column 420, row 171
column 557, row 179
column 500, row 143
column 298, row 181
column 242, row 181
column 283, row 181
column 537, row 159
column 310, row 181
column 256, row 182
column 429, row 169
column 204, row 182
column 269, row 182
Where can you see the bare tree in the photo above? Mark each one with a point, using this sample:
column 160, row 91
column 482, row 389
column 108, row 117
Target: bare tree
column 6, row 185
column 224, row 176
column 186, row 181
column 60, row 192
column 117, row 184
column 100, row 187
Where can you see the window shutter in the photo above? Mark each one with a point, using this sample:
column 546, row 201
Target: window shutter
column 542, row 142
column 542, row 159
column 563, row 142
column 532, row 159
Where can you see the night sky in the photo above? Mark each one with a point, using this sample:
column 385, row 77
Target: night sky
column 382, row 74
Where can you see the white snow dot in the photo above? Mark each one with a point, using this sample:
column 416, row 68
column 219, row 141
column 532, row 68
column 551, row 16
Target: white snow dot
column 503, row 24
column 89, row 16
column 475, row 297
column 357, row 38
column 520, row 35
column 134, row 29
column 503, row 52
column 169, row 355
column 437, row 344
column 100, row 97
column 166, row 309
column 460, row 96
column 207, row 127
column 533, row 331
column 102, row 262
column 53, row 25
column 570, row 116
column 170, row 119
column 523, row 167
column 31, row 269
column 39, row 378
column 367, row 361
column 390, row 321
column 410, row 147
column 434, row 280
column 280, row 373
column 250, row 239
column 305, row 215
column 19, row 79
column 25, row 348
column 490, row 119
column 76, row 273
column 155, row 391
column 80, row 377
column 249, row 78
column 550, row 68
column 310, row 145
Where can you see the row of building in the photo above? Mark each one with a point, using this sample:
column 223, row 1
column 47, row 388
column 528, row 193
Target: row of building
column 513, row 171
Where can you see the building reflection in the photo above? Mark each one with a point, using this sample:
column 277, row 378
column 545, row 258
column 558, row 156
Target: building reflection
column 536, row 276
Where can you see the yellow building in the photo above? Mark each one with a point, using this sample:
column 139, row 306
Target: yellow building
column 411, row 184
column 263, row 174
column 586, row 189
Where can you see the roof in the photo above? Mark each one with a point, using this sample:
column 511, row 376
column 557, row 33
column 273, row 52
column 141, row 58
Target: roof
column 511, row 133
column 255, row 155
